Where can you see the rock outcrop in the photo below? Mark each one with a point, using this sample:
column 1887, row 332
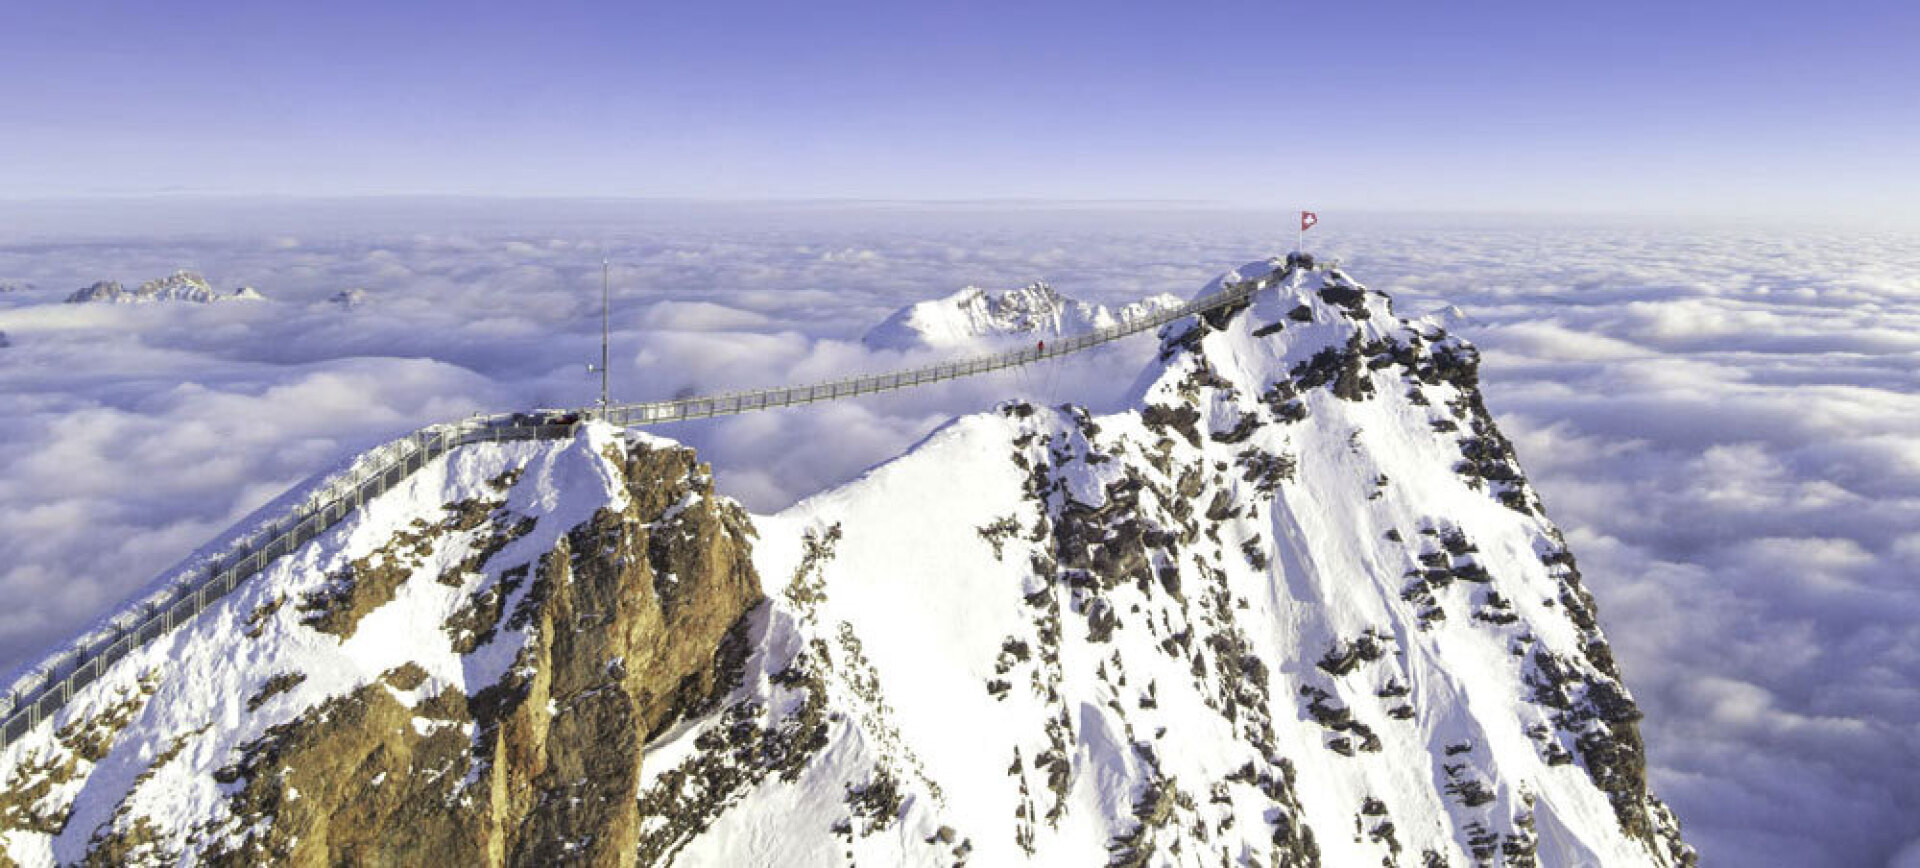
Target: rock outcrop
column 976, row 318
column 348, row 299
column 182, row 285
column 508, row 729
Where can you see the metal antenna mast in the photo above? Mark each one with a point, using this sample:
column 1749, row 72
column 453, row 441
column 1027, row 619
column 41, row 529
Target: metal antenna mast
column 606, row 330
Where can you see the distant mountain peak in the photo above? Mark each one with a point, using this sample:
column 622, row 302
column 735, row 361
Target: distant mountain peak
column 973, row 317
column 182, row 285
column 348, row 299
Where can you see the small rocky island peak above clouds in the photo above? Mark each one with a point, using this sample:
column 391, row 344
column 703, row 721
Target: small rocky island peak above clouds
column 182, row 285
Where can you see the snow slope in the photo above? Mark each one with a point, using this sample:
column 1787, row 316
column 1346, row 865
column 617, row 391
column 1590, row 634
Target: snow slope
column 1265, row 619
column 974, row 318
column 148, row 739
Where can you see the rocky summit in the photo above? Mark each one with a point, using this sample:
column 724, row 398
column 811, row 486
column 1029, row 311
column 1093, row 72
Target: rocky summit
column 974, row 318
column 182, row 285
column 1297, row 606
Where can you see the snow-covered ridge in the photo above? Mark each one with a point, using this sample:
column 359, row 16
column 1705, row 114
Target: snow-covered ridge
column 1298, row 606
column 181, row 592
column 407, row 612
column 182, row 285
column 973, row 317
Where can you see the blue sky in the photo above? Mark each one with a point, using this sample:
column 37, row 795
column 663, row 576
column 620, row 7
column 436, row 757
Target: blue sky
column 1696, row 108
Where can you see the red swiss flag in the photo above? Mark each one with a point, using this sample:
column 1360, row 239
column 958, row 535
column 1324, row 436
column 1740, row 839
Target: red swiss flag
column 1307, row 219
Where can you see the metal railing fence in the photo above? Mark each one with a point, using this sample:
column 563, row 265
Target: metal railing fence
column 43, row 690
column 730, row 403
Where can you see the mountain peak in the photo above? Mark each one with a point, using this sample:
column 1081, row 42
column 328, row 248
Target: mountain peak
column 1295, row 606
column 973, row 317
column 181, row 285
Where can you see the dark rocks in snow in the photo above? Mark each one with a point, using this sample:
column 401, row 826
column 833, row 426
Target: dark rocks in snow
column 1452, row 362
column 1265, row 470
column 1254, row 551
column 1339, row 719
column 275, row 686
column 1101, row 620
column 1350, row 299
column 1192, row 481
column 1495, row 609
column 997, row 534
column 1596, row 709
column 1342, row 367
column 370, row 582
column 1345, row 656
column 875, row 804
column 1456, row 543
column 1187, row 341
column 1471, row 792
column 1222, row 507
column 1240, row 431
column 1219, row 317
column 1203, row 376
column 1283, row 400
column 24, row 802
column 1610, row 701
column 1184, row 420
column 1152, row 810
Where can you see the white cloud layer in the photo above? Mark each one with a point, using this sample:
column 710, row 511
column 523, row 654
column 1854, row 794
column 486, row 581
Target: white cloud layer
column 1725, row 421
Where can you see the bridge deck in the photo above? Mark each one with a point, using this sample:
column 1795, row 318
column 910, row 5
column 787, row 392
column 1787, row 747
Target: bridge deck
column 683, row 409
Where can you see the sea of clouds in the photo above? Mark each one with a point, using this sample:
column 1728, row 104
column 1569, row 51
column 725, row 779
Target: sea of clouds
column 1725, row 420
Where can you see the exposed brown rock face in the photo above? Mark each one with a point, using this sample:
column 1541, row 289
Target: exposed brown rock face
column 625, row 623
column 79, row 745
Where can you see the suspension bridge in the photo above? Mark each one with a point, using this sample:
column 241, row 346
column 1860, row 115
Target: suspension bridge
column 40, row 692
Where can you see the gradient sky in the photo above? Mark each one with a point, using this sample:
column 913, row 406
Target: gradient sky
column 1692, row 108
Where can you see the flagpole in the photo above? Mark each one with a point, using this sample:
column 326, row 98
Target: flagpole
column 606, row 330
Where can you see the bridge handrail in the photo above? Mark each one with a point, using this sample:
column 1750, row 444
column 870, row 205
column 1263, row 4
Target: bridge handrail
column 706, row 406
column 43, row 689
